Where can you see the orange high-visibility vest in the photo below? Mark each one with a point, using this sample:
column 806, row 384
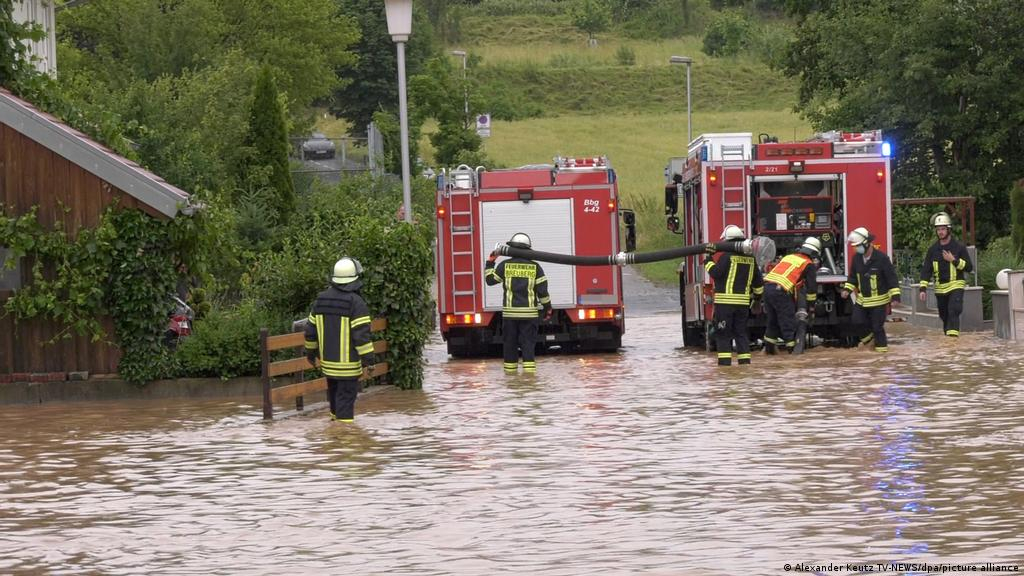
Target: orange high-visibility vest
column 789, row 271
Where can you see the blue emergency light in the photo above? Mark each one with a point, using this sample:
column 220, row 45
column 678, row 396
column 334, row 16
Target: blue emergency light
column 886, row 149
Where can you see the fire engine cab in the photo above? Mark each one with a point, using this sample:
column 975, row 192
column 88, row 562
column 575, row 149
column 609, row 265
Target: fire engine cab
column 568, row 207
column 787, row 191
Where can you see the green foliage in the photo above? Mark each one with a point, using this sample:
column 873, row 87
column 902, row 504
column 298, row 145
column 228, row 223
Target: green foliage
column 591, row 16
column 268, row 144
column 356, row 219
column 372, row 81
column 125, row 268
column 999, row 254
column 728, row 33
column 226, row 343
column 494, row 8
column 440, row 91
column 1017, row 217
column 942, row 80
column 625, row 56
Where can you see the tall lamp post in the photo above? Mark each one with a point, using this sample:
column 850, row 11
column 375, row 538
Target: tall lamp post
column 399, row 13
column 689, row 117
column 465, row 87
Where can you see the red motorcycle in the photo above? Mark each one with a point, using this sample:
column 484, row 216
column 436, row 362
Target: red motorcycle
column 180, row 323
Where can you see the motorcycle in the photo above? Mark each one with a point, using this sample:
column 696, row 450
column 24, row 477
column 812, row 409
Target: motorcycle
column 179, row 323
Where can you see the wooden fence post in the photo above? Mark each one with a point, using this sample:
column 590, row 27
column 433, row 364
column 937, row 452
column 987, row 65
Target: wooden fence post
column 268, row 406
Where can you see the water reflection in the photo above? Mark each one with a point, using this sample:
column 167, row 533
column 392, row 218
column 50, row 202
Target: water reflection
column 651, row 461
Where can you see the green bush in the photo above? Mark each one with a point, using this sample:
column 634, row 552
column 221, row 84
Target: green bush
column 728, row 34
column 226, row 342
column 1017, row 219
column 625, row 56
column 998, row 255
column 519, row 7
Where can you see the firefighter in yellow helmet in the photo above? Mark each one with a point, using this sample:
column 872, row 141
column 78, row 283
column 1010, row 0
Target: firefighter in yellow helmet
column 736, row 277
column 874, row 283
column 947, row 264
column 525, row 288
column 338, row 333
column 793, row 278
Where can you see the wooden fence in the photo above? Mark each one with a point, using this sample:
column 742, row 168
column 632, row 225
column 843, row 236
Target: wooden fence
column 296, row 368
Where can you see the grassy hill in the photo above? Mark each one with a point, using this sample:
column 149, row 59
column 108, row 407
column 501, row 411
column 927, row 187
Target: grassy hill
column 588, row 103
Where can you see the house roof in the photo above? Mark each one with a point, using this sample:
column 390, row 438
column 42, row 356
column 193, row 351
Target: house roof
column 92, row 156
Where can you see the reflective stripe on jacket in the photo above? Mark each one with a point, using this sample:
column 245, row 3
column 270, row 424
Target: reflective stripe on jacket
column 948, row 276
column 874, row 281
column 524, row 284
column 735, row 278
column 794, row 272
column 339, row 330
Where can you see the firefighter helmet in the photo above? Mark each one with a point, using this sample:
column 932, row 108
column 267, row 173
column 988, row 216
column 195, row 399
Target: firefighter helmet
column 811, row 246
column 942, row 219
column 519, row 240
column 346, row 270
column 733, row 232
column 859, row 236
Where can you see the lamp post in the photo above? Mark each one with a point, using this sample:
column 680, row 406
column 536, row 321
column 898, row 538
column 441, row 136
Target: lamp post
column 399, row 14
column 689, row 117
column 465, row 86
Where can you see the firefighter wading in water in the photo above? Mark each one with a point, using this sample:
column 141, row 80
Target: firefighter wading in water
column 794, row 275
column 875, row 285
column 338, row 332
column 524, row 287
column 736, row 277
column 947, row 263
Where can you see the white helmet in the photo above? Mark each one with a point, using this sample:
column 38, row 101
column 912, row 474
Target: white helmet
column 941, row 219
column 519, row 240
column 346, row 270
column 859, row 236
column 733, row 232
column 811, row 246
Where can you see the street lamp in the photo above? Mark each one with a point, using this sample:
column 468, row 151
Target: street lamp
column 399, row 14
column 689, row 117
column 465, row 86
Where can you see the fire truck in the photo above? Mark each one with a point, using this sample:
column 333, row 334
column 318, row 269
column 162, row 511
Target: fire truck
column 568, row 207
column 787, row 191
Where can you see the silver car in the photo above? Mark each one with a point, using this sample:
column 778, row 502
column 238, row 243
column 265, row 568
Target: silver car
column 317, row 146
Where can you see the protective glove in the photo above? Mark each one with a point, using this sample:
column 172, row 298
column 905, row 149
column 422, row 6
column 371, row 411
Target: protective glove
column 311, row 357
column 368, row 360
column 493, row 256
column 548, row 312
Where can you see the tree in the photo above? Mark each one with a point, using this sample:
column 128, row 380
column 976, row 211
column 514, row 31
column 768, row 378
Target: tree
column 268, row 143
column 591, row 16
column 1017, row 214
column 371, row 83
column 942, row 80
column 440, row 95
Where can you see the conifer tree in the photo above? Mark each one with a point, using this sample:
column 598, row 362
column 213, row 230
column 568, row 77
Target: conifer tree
column 268, row 143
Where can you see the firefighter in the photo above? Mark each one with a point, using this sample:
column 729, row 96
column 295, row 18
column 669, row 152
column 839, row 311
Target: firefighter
column 735, row 277
column 338, row 333
column 874, row 283
column 947, row 263
column 792, row 279
column 525, row 287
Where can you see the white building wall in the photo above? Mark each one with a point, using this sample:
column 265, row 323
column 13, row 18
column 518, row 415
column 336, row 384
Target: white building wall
column 41, row 12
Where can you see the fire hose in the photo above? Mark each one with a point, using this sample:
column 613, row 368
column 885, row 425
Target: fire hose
column 760, row 247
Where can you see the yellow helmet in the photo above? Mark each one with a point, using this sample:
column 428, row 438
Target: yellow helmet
column 733, row 232
column 346, row 270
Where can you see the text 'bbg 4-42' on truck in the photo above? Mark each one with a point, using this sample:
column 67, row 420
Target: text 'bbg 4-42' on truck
column 568, row 207
column 823, row 187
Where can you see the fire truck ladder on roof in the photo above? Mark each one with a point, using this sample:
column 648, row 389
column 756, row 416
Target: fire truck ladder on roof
column 462, row 218
column 734, row 186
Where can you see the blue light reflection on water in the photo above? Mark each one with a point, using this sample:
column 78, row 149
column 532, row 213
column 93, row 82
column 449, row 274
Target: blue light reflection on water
column 900, row 461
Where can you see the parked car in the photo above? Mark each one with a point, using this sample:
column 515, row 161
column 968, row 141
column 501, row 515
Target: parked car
column 317, row 146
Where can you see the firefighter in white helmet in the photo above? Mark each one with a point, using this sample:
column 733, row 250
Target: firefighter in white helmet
column 338, row 333
column 525, row 288
column 947, row 264
column 793, row 278
column 874, row 283
column 736, row 277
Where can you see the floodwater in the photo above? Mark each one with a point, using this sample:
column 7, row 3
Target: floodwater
column 651, row 461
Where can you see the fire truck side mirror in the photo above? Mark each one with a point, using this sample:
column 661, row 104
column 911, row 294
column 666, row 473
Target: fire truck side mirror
column 673, row 224
column 671, row 200
column 629, row 219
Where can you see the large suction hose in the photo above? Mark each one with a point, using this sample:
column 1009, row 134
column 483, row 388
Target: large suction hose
column 762, row 248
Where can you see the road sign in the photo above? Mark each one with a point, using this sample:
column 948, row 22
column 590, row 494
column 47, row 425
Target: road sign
column 483, row 125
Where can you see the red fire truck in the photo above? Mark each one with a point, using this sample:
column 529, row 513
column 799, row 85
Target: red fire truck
column 569, row 207
column 822, row 187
